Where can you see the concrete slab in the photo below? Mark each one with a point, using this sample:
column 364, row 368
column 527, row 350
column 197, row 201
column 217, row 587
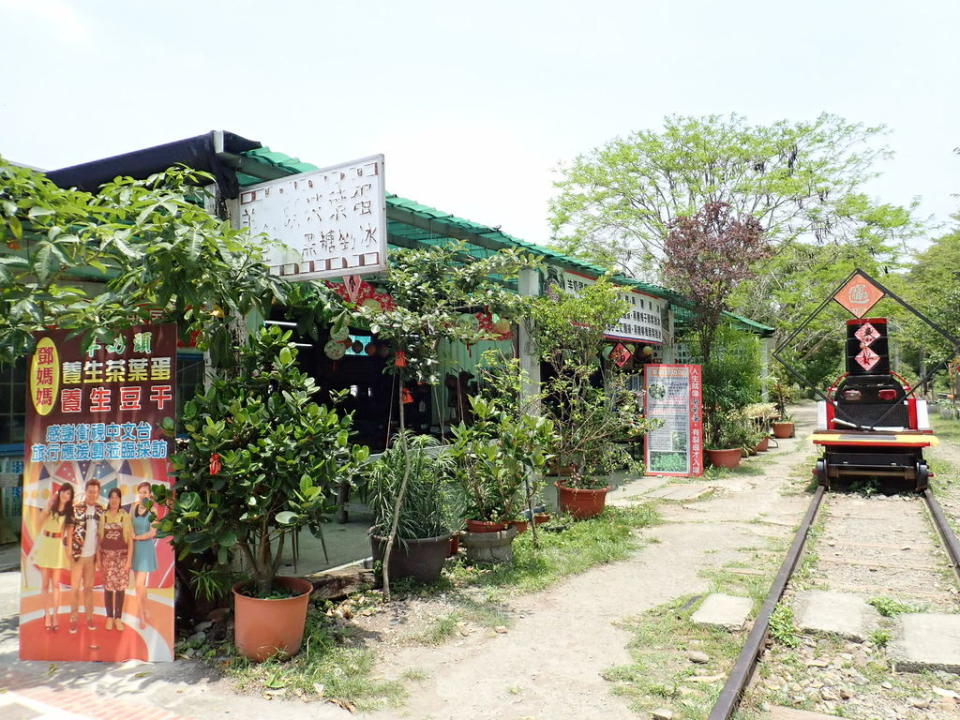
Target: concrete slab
column 778, row 712
column 679, row 491
column 726, row 611
column 835, row 613
column 926, row 641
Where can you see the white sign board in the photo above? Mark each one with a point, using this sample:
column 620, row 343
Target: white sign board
column 643, row 321
column 332, row 221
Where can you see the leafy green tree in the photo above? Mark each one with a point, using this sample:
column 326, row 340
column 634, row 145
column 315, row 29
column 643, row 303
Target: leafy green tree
column 144, row 244
column 615, row 204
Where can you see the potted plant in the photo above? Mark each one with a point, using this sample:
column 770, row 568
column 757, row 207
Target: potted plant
column 728, row 434
column 593, row 411
column 495, row 460
column 761, row 415
column 260, row 461
column 428, row 515
column 783, row 427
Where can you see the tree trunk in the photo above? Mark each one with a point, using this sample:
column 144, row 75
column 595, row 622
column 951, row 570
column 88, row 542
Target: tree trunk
column 398, row 503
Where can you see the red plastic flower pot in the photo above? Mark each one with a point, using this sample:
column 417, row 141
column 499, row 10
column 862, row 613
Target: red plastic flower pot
column 725, row 458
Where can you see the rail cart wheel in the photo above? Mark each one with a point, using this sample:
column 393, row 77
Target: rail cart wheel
column 820, row 473
column 923, row 476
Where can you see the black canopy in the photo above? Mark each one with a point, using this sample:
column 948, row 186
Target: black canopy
column 196, row 152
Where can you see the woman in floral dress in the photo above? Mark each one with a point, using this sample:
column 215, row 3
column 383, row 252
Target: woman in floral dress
column 50, row 556
column 116, row 550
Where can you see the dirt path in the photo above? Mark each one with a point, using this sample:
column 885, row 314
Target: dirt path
column 550, row 662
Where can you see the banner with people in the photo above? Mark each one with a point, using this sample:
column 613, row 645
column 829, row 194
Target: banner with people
column 97, row 584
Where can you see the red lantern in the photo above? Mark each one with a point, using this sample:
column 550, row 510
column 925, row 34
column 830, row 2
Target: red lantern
column 400, row 360
column 215, row 464
column 407, row 397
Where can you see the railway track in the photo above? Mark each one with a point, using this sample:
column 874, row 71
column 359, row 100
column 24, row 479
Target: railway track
column 753, row 648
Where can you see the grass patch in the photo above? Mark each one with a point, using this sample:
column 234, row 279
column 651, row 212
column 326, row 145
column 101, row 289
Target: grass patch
column 606, row 538
column 661, row 674
column 329, row 666
column 888, row 607
column 782, row 627
column 444, row 627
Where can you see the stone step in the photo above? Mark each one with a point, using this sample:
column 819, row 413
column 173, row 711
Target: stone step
column 725, row 611
column 834, row 613
column 926, row 641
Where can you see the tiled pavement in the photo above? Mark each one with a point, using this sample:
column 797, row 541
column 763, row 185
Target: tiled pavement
column 44, row 703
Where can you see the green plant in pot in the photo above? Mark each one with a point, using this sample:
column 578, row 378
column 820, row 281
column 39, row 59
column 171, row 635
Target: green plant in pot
column 260, row 461
column 587, row 400
column 430, row 512
column 782, row 390
column 495, row 459
column 728, row 434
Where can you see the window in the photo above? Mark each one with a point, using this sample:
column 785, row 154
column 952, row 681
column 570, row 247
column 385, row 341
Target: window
column 13, row 399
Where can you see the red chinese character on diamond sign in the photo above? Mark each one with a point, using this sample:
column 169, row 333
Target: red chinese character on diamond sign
column 71, row 400
column 160, row 394
column 100, row 398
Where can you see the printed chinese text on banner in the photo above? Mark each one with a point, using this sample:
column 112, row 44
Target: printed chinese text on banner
column 96, row 582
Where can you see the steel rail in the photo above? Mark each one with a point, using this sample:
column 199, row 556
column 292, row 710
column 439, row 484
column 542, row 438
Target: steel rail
column 943, row 527
column 743, row 669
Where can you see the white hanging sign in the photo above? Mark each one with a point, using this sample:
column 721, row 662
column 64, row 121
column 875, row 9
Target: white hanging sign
column 333, row 221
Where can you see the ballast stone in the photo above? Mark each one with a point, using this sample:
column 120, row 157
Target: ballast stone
column 726, row 611
column 926, row 641
column 835, row 613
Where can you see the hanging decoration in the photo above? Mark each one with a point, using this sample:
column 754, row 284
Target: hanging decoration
column 620, row 355
column 494, row 324
column 215, row 464
column 400, row 359
column 363, row 294
column 335, row 349
column 407, row 396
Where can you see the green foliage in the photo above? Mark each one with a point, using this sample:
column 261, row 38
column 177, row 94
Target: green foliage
column 888, row 607
column 782, row 628
column 282, row 456
column 590, row 406
column 615, row 203
column 430, row 507
column 880, row 637
column 148, row 241
column 495, row 455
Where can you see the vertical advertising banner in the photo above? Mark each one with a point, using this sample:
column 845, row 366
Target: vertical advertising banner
column 674, row 394
column 97, row 584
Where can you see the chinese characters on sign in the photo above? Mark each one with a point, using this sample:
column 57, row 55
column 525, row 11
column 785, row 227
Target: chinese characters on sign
column 643, row 320
column 858, row 295
column 674, row 394
column 95, row 448
column 333, row 221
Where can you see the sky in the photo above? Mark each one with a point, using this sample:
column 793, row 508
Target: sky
column 475, row 105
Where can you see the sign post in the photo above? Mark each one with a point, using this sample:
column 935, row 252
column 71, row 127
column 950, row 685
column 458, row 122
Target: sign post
column 96, row 582
column 674, row 394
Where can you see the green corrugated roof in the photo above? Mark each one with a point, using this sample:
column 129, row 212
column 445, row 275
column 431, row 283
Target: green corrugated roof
column 410, row 223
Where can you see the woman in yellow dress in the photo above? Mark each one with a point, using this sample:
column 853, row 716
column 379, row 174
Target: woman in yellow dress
column 51, row 556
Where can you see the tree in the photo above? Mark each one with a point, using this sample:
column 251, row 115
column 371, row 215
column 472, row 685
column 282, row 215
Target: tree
column 148, row 244
column 616, row 204
column 707, row 256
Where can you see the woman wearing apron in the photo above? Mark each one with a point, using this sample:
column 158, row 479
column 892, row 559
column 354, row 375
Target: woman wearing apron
column 116, row 549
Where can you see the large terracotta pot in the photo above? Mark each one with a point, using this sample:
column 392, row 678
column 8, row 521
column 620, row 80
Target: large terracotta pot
column 581, row 503
column 485, row 526
column 420, row 559
column 264, row 627
column 725, row 458
column 783, row 430
column 763, row 445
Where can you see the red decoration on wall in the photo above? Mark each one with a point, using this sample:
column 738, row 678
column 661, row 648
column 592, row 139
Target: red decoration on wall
column 215, row 464
column 360, row 292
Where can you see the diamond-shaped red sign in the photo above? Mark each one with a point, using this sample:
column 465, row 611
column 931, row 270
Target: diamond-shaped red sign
column 867, row 334
column 859, row 295
column 867, row 358
column 620, row 355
